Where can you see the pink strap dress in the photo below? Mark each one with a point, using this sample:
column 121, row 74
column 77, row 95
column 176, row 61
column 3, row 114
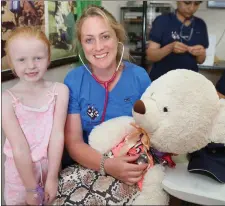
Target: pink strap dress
column 36, row 124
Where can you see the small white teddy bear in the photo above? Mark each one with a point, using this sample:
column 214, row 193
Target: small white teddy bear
column 180, row 113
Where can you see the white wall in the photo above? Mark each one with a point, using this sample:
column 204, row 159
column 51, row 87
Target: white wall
column 214, row 18
column 114, row 7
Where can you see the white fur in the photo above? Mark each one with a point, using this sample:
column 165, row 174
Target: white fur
column 110, row 133
column 218, row 131
column 195, row 117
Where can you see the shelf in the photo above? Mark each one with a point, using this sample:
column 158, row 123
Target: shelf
column 132, row 21
column 136, row 53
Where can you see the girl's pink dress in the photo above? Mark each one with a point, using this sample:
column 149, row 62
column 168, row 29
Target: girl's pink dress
column 36, row 125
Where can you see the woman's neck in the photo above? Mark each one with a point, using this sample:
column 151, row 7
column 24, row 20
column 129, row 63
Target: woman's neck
column 105, row 74
column 182, row 19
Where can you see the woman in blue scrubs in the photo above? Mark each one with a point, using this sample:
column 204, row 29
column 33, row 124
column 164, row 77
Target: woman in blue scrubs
column 104, row 88
column 177, row 40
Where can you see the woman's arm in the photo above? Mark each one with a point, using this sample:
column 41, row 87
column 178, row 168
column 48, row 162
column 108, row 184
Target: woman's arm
column 155, row 52
column 56, row 143
column 199, row 52
column 18, row 142
column 77, row 148
column 119, row 168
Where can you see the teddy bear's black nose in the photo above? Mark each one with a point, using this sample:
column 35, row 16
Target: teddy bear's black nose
column 139, row 107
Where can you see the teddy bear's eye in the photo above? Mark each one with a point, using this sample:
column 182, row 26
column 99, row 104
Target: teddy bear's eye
column 165, row 109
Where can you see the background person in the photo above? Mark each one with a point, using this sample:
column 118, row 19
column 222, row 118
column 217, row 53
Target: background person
column 177, row 40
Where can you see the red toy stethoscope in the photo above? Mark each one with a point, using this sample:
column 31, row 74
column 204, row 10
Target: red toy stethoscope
column 105, row 83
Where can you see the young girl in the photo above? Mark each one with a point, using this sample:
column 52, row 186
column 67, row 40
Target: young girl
column 33, row 114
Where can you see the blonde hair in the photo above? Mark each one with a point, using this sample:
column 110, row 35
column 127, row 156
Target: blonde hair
column 94, row 10
column 27, row 31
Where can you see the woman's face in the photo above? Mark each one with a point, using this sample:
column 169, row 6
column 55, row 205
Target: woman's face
column 99, row 43
column 187, row 8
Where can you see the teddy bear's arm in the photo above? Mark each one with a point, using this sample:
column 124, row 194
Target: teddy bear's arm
column 152, row 192
column 218, row 130
column 110, row 133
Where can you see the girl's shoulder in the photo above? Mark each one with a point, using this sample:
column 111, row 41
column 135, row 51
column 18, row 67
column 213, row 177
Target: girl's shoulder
column 6, row 97
column 59, row 88
column 8, row 100
column 9, row 94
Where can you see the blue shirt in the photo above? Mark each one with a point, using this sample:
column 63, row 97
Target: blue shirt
column 220, row 85
column 167, row 29
column 87, row 96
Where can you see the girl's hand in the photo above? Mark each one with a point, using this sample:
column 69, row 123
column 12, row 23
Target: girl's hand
column 123, row 168
column 32, row 198
column 51, row 187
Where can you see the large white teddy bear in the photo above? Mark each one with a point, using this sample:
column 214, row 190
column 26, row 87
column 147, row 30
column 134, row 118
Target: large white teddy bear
column 180, row 113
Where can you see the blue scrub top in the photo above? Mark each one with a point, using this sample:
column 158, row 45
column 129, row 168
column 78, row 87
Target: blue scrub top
column 167, row 29
column 87, row 96
column 220, row 86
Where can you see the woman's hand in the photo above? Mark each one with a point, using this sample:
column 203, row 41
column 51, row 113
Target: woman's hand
column 197, row 50
column 124, row 169
column 51, row 187
column 179, row 48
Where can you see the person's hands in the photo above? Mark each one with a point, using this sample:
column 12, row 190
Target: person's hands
column 197, row 50
column 32, row 198
column 179, row 48
column 123, row 169
column 51, row 187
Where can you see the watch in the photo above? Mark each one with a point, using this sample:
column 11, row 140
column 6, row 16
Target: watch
column 102, row 163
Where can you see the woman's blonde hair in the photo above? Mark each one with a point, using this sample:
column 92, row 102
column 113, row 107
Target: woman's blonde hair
column 94, row 10
column 27, row 31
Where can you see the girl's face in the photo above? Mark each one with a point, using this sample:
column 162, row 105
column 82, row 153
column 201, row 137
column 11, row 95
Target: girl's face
column 99, row 43
column 29, row 58
column 187, row 8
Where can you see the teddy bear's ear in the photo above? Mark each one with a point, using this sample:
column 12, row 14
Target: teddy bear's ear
column 218, row 129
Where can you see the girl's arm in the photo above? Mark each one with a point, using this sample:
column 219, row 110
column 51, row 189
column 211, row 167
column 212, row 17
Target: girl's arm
column 56, row 143
column 18, row 142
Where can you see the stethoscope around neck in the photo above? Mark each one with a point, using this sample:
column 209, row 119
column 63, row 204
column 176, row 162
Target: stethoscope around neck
column 107, row 83
column 189, row 36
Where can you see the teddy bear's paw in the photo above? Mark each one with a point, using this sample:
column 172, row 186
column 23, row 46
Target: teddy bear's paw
column 152, row 192
column 154, row 196
column 154, row 175
column 110, row 133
